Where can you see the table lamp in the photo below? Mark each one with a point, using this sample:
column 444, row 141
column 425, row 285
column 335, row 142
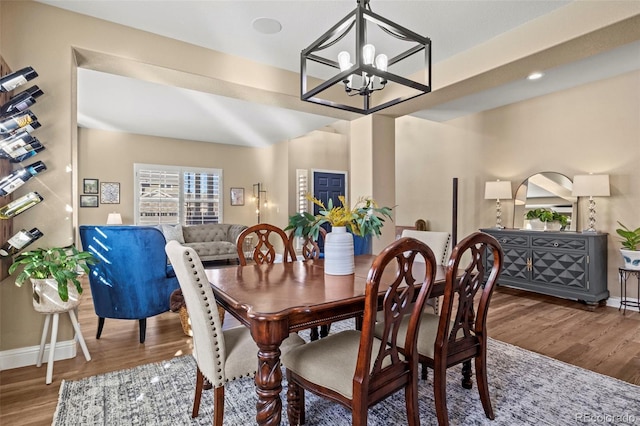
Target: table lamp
column 496, row 191
column 114, row 219
column 592, row 186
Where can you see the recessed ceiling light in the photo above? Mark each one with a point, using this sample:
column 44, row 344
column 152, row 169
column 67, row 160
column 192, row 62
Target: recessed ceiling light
column 266, row 25
column 535, row 75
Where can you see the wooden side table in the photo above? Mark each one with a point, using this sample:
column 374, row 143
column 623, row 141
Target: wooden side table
column 625, row 274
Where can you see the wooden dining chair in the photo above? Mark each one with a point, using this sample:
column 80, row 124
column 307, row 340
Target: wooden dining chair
column 221, row 355
column 353, row 367
column 458, row 334
column 310, row 249
column 265, row 250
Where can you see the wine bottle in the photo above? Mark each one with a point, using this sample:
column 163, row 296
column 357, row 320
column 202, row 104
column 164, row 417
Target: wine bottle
column 17, row 78
column 20, row 205
column 28, row 128
column 16, row 121
column 17, row 178
column 21, row 101
column 19, row 241
column 20, row 135
column 20, row 147
column 31, row 126
column 21, row 153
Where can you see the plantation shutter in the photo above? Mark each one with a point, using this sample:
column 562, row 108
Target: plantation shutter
column 201, row 198
column 172, row 195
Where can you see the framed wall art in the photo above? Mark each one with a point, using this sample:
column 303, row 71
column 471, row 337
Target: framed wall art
column 88, row 201
column 90, row 186
column 237, row 196
column 110, row 193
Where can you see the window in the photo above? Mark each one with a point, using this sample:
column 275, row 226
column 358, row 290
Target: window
column 172, row 194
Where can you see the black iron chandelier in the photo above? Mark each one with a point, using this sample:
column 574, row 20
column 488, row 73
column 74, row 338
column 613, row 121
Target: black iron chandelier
column 365, row 79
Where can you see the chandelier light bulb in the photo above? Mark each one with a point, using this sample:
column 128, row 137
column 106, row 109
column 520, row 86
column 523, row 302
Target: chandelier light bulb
column 344, row 60
column 368, row 54
column 382, row 61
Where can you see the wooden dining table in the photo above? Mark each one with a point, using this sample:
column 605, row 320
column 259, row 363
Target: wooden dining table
column 275, row 300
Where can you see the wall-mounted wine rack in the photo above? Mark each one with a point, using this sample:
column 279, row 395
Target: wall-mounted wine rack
column 16, row 146
column 6, row 226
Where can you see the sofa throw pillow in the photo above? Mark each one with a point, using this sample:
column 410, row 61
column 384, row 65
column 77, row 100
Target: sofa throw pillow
column 173, row 232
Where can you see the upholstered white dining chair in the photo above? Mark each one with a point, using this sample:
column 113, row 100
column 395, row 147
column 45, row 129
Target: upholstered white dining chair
column 438, row 242
column 221, row 355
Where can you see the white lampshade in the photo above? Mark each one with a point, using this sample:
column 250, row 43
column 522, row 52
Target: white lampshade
column 591, row 186
column 498, row 190
column 114, row 219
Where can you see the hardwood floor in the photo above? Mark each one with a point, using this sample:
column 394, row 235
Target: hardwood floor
column 602, row 340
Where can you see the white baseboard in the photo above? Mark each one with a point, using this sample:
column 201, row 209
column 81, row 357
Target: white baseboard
column 614, row 302
column 22, row 357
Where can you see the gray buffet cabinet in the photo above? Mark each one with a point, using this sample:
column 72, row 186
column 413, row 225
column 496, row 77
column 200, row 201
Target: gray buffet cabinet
column 565, row 264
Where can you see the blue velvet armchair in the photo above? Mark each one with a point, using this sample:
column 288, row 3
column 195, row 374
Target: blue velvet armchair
column 132, row 279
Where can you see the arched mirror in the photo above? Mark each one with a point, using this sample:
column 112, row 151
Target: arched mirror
column 548, row 190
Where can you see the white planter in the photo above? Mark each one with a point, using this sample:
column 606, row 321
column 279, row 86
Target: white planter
column 338, row 252
column 552, row 226
column 46, row 299
column 536, row 225
column 631, row 259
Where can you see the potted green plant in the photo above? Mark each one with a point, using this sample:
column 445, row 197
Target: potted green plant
column 50, row 271
column 630, row 240
column 364, row 219
column 546, row 220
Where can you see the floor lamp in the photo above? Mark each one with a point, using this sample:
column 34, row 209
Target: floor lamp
column 260, row 197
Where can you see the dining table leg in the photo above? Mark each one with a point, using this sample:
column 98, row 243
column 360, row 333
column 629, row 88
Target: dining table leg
column 268, row 336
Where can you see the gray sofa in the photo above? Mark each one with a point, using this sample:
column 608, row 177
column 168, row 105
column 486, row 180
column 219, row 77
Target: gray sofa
column 215, row 241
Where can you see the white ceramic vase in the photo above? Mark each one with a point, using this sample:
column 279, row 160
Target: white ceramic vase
column 631, row 259
column 338, row 252
column 46, row 299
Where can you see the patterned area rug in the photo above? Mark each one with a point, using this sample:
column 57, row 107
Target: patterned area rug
column 526, row 389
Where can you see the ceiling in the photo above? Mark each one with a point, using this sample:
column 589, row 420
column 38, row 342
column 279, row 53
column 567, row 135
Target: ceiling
column 112, row 102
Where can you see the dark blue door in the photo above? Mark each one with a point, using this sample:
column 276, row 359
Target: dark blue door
column 327, row 186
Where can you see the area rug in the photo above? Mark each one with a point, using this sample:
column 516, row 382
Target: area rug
column 526, row 389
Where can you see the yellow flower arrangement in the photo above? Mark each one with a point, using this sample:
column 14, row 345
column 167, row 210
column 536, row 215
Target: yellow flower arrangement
column 365, row 218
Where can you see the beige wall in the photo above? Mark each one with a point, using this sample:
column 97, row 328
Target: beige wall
column 109, row 157
column 591, row 128
column 373, row 167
